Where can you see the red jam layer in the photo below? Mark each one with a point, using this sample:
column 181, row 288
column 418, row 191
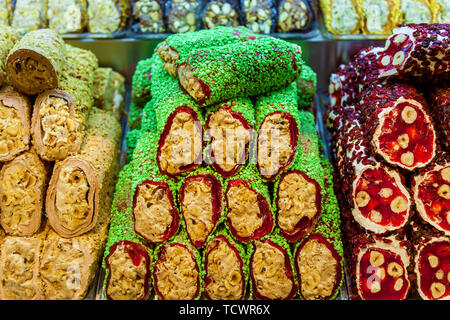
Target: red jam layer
column 136, row 252
column 435, row 197
column 264, row 209
column 435, row 273
column 304, row 225
column 216, row 201
column 173, row 228
column 376, row 182
column 397, row 43
column 369, row 273
column 407, row 144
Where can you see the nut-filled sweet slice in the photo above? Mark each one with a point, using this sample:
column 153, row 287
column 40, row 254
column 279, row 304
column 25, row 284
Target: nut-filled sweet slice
column 36, row 62
column 399, row 125
column 294, row 16
column 23, row 183
column 80, row 183
column 59, row 117
column 341, row 17
column 178, row 46
column 229, row 128
column 127, row 258
column 221, row 13
column 109, row 91
column 248, row 68
column 250, row 214
column 432, row 194
column 278, row 127
column 15, row 112
column 378, row 17
column 259, row 15
column 271, row 271
column 439, row 102
column 182, row 15
column 431, row 262
column 5, row 12
column 202, row 204
column 177, row 270
column 28, row 15
column 318, row 259
column 8, row 37
column 378, row 197
column 179, row 125
column 415, row 11
column 67, row 16
column 298, row 192
column 107, row 16
column 226, row 268
column 148, row 16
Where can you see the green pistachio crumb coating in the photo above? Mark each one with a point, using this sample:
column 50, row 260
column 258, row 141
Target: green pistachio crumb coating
column 306, row 87
column 141, row 91
column 135, row 116
column 131, row 139
column 148, row 122
column 247, row 68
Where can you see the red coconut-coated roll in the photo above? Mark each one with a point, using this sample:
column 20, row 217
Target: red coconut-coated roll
column 431, row 262
column 399, row 125
column 439, row 98
column 376, row 194
column 201, row 203
column 431, row 189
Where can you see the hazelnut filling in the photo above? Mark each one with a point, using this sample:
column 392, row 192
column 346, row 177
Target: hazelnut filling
column 58, row 129
column 190, row 82
column 434, row 195
column 153, row 211
column 317, row 267
column 33, row 74
column 297, row 199
column 12, row 132
column 434, row 268
column 382, row 275
column 127, row 275
column 182, row 145
column 244, row 213
column 229, row 140
column 406, row 137
column 379, row 199
column 18, row 277
column 176, row 273
column 268, row 268
column 71, row 202
column 198, row 210
column 62, row 269
column 274, row 144
column 224, row 279
column 169, row 57
column 220, row 13
column 19, row 198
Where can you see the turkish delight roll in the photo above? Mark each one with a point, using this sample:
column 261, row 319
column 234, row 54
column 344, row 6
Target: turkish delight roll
column 379, row 16
column 22, row 191
column 127, row 258
column 8, row 37
column 59, row 115
column 15, row 111
column 131, row 140
column 399, row 125
column 278, row 125
column 36, row 62
column 441, row 11
column 299, row 190
column 294, row 16
column 415, row 11
column 202, row 204
column 259, row 15
column 169, row 259
column 67, row 16
column 182, row 15
column 248, row 68
column 141, row 91
column 271, row 269
column 107, row 16
column 221, row 13
column 376, row 194
column 19, row 270
column 29, row 15
column 179, row 125
column 439, row 102
column 135, row 116
column 341, row 17
column 306, row 87
column 226, row 268
column 431, row 187
column 229, row 128
column 148, row 16
column 80, row 183
column 249, row 214
column 5, row 12
column 318, row 258
column 431, row 262
column 178, row 46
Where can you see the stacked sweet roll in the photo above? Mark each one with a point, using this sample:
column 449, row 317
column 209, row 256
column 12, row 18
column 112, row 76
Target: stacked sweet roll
column 226, row 194
column 59, row 162
column 389, row 120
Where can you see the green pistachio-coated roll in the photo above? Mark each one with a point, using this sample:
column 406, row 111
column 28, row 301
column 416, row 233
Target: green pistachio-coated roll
column 8, row 37
column 306, row 87
column 135, row 116
column 141, row 91
column 131, row 140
